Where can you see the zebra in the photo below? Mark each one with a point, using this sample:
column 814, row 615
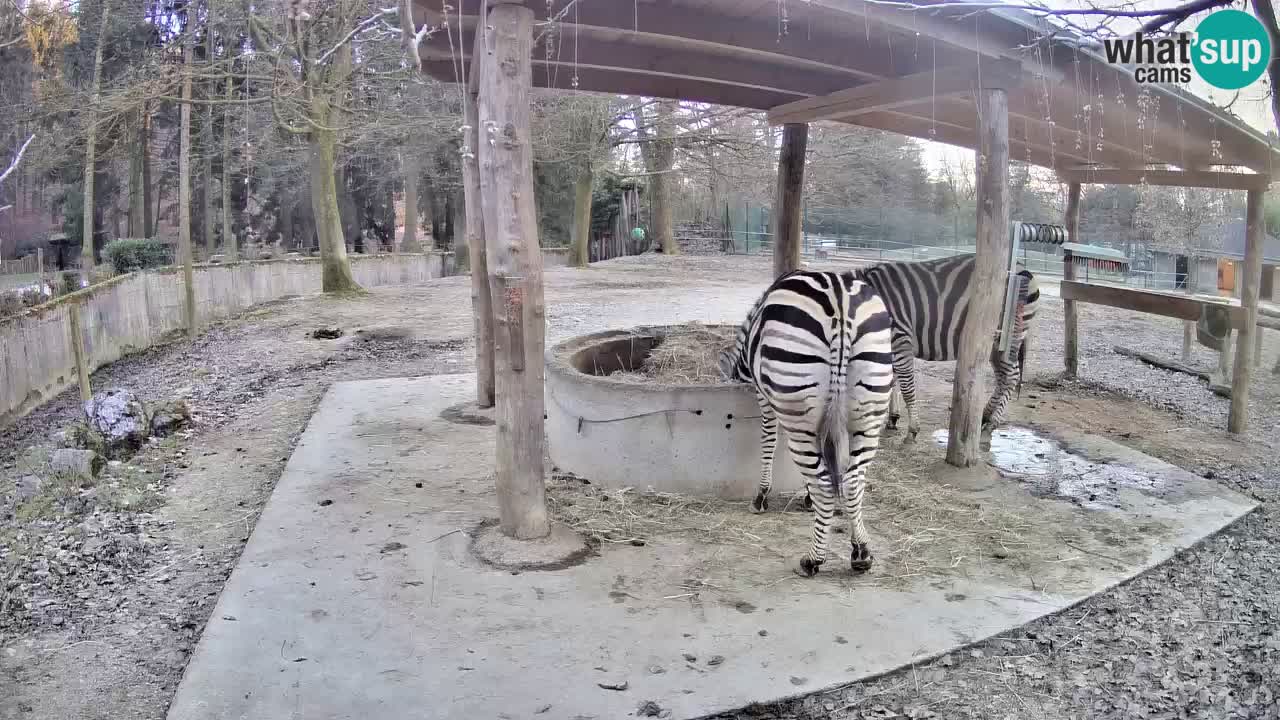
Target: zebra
column 929, row 304
column 811, row 341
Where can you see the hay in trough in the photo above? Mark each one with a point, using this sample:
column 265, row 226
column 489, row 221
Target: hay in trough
column 920, row 527
column 688, row 354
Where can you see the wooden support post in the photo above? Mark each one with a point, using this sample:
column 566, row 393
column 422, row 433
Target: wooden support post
column 789, row 199
column 1250, row 280
column 989, row 276
column 481, row 299
column 40, row 267
column 1071, row 353
column 515, row 268
column 78, row 351
column 1257, row 349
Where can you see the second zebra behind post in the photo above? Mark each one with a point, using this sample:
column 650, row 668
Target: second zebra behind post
column 817, row 348
column 929, row 304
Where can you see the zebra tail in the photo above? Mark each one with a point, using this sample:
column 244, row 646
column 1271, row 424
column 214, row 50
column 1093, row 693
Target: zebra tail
column 833, row 428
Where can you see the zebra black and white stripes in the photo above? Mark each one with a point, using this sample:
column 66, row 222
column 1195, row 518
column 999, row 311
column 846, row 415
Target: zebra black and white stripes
column 814, row 342
column 929, row 304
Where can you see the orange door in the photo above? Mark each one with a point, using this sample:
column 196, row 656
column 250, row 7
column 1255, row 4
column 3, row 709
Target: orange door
column 1226, row 275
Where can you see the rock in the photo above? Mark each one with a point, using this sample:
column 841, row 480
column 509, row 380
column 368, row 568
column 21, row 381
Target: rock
column 121, row 419
column 169, row 416
column 80, row 435
column 27, row 488
column 327, row 333
column 83, row 465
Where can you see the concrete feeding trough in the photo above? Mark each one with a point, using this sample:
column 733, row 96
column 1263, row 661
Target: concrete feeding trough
column 693, row 439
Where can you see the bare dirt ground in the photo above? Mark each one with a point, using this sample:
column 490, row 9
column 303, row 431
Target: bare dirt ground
column 103, row 594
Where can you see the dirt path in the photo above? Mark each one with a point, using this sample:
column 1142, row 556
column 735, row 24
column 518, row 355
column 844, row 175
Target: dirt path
column 94, row 633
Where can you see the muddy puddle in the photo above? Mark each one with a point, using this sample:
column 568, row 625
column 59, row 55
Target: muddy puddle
column 1051, row 470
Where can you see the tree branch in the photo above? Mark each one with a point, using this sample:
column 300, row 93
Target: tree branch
column 363, row 26
column 1267, row 14
column 17, row 159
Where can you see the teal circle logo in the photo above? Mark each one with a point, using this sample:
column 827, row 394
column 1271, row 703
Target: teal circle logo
column 1232, row 49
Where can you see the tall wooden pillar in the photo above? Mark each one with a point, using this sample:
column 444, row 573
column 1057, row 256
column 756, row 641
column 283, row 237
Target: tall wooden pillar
column 789, row 199
column 987, row 287
column 1071, row 352
column 515, row 268
column 481, row 299
column 1250, row 280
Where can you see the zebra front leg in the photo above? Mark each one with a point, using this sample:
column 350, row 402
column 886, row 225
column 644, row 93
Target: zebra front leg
column 768, row 444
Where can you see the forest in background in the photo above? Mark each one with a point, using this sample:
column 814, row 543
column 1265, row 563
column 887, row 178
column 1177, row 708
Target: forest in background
column 247, row 128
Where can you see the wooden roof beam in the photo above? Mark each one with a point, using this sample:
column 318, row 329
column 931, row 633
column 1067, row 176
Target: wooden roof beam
column 1167, row 178
column 701, row 30
column 896, row 92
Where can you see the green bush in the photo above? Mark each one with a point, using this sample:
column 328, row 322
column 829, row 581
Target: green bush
column 130, row 254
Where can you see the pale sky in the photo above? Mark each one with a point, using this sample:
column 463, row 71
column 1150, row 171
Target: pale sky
column 1252, row 105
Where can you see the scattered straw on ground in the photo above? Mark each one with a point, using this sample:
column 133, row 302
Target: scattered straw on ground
column 689, row 354
column 919, row 527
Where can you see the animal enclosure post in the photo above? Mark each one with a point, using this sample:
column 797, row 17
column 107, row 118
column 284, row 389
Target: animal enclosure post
column 989, row 276
column 78, row 351
column 515, row 268
column 1071, row 328
column 1251, row 279
column 789, row 198
column 481, row 299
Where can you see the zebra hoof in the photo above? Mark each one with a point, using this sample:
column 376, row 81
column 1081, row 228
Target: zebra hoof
column 806, row 567
column 893, row 422
column 808, row 501
column 860, row 560
column 760, row 504
column 910, row 437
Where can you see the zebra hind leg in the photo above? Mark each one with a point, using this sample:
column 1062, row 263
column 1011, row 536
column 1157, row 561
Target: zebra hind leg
column 1006, row 371
column 768, row 444
column 823, row 512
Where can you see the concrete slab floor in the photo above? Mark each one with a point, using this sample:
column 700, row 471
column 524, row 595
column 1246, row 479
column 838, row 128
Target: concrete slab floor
column 357, row 596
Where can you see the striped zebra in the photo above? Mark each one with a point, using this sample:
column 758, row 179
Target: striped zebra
column 929, row 304
column 810, row 342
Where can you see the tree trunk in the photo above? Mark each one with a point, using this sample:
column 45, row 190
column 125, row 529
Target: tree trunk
column 229, row 244
column 148, row 218
column 206, row 172
column 1249, row 282
column 137, row 192
column 412, row 170
column 581, row 217
column 789, row 199
column 987, row 285
column 659, row 156
column 184, row 190
column 446, row 241
column 477, row 249
column 91, row 151
column 336, row 268
column 515, row 272
column 1188, row 326
column 1071, row 320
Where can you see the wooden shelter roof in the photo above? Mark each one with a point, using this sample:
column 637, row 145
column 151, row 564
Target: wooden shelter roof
column 905, row 71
